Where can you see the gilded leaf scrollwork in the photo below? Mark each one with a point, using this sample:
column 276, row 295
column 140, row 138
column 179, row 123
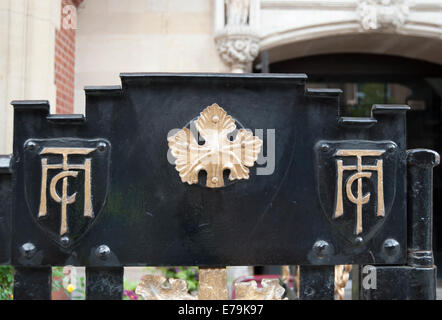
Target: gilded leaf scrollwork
column 218, row 153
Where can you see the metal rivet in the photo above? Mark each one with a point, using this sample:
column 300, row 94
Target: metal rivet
column 102, row 252
column 65, row 241
column 359, row 240
column 391, row 148
column 31, row 145
column 28, row 250
column 101, row 146
column 325, row 147
column 320, row 248
column 391, row 247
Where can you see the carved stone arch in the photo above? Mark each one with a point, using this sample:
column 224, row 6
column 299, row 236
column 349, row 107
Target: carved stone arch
column 290, row 29
column 391, row 43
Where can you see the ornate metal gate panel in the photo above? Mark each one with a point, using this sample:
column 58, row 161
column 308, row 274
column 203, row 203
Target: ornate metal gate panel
column 208, row 170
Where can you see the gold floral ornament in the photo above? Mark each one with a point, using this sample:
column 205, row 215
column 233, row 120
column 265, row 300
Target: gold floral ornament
column 271, row 290
column 218, row 153
column 153, row 287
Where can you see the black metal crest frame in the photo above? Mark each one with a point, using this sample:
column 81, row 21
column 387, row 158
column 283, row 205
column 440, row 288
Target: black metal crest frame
column 311, row 187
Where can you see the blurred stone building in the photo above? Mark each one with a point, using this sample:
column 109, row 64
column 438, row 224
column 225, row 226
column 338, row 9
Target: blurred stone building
column 376, row 51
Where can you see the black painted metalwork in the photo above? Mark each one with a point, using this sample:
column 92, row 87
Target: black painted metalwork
column 317, row 282
column 359, row 74
column 32, row 283
column 167, row 222
column 401, row 283
column 420, row 206
column 5, row 209
column 77, row 224
column 137, row 210
column 416, row 279
column 104, row 283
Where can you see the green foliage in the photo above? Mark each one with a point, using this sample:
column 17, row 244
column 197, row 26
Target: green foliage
column 6, row 282
column 369, row 94
column 57, row 279
column 77, row 284
column 129, row 291
column 79, row 292
column 190, row 274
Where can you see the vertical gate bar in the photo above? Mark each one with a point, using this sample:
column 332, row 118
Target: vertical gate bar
column 355, row 282
column 104, row 283
column 317, row 282
column 420, row 164
column 32, row 283
column 417, row 279
column 296, row 280
column 420, row 206
column 213, row 284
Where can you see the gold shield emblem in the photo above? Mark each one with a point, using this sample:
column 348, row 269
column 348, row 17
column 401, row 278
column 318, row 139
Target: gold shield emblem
column 66, row 184
column 356, row 185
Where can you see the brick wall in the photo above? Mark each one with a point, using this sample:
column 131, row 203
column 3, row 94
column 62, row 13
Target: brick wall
column 65, row 63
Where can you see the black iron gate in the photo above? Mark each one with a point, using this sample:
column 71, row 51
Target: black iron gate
column 216, row 170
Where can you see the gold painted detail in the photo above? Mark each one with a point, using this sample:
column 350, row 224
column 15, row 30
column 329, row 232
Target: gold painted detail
column 271, row 290
column 68, row 170
column 362, row 171
column 285, row 274
column 154, row 287
column 342, row 274
column 213, row 284
column 218, row 152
